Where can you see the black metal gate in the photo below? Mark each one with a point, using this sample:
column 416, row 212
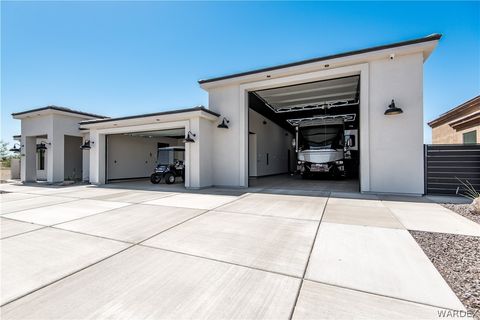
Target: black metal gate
column 446, row 164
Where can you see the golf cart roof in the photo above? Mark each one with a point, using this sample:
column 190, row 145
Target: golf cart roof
column 173, row 148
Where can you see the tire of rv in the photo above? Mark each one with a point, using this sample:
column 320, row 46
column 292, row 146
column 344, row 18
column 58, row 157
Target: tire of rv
column 169, row 178
column 335, row 173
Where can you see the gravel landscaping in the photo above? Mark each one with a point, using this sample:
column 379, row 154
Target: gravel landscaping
column 464, row 210
column 457, row 258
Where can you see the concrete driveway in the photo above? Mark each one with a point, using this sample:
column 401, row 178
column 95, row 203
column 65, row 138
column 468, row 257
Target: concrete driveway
column 89, row 252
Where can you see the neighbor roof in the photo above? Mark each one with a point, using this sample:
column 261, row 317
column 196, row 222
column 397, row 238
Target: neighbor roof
column 199, row 108
column 451, row 114
column 432, row 37
column 57, row 108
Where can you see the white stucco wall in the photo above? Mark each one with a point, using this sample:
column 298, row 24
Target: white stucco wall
column 86, row 160
column 271, row 139
column 396, row 142
column 391, row 146
column 226, row 143
column 31, row 128
column 198, row 155
column 54, row 127
column 133, row 157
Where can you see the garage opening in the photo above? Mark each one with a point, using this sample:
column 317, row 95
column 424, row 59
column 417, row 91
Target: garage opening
column 137, row 155
column 306, row 136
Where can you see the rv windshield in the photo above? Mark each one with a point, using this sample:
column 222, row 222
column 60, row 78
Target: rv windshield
column 321, row 137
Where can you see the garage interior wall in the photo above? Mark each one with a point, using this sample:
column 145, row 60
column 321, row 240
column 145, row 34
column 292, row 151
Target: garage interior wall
column 272, row 142
column 73, row 158
column 132, row 156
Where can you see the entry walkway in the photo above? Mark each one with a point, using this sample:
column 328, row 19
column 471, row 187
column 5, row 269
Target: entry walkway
column 108, row 252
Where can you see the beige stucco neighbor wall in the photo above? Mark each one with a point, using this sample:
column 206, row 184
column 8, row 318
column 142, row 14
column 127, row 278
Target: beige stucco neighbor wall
column 445, row 134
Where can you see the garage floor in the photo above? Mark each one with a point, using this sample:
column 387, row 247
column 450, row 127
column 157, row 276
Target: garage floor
column 102, row 252
column 295, row 182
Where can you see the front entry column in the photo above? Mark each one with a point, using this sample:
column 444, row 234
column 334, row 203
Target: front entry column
column 199, row 154
column 29, row 159
column 97, row 158
column 55, row 158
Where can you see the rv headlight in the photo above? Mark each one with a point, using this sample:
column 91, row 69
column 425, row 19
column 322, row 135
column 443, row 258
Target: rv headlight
column 299, row 162
column 339, row 162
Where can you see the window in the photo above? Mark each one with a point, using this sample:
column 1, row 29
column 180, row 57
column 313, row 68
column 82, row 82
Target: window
column 41, row 159
column 470, row 137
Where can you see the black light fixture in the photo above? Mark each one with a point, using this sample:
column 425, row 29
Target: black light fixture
column 87, row 145
column 42, row 146
column 15, row 148
column 188, row 138
column 224, row 124
column 392, row 109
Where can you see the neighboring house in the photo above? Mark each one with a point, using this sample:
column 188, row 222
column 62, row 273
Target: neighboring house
column 247, row 130
column 460, row 125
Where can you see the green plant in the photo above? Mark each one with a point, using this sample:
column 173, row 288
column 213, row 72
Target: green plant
column 470, row 191
column 3, row 150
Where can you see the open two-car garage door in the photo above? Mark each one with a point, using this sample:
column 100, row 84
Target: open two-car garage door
column 134, row 155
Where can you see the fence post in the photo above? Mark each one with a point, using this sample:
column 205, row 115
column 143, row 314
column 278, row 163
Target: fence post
column 425, row 169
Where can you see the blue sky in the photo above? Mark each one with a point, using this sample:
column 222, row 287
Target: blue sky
column 123, row 58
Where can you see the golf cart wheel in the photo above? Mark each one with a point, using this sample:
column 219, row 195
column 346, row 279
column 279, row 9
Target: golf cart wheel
column 155, row 178
column 169, row 178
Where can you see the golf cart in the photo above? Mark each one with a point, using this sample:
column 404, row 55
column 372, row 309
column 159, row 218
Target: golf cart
column 170, row 165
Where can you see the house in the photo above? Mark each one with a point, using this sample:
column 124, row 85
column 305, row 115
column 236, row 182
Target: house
column 248, row 127
column 460, row 125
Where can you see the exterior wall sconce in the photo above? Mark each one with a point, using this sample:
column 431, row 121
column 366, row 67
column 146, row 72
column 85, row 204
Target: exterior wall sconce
column 15, row 148
column 224, row 124
column 42, row 146
column 392, row 109
column 188, row 138
column 87, row 145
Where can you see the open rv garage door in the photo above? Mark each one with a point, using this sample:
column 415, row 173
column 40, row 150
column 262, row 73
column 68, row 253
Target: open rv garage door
column 321, row 117
column 134, row 155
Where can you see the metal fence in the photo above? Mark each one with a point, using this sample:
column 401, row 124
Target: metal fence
column 446, row 164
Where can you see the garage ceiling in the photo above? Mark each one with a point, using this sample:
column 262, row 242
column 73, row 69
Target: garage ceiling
column 171, row 133
column 313, row 95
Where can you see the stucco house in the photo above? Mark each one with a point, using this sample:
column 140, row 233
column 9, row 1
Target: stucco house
column 460, row 125
column 246, row 131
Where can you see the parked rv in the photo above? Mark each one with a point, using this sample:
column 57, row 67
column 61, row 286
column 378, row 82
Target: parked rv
column 322, row 146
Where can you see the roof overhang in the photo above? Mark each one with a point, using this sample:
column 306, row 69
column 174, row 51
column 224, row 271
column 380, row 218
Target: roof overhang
column 49, row 110
column 471, row 105
column 424, row 45
column 159, row 117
